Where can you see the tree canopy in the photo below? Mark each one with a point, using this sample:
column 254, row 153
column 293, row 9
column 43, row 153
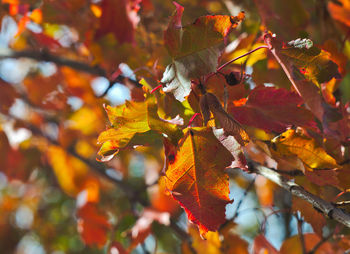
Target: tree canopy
column 152, row 126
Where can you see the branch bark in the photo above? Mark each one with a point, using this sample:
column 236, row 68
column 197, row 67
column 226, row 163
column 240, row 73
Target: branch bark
column 44, row 55
column 321, row 205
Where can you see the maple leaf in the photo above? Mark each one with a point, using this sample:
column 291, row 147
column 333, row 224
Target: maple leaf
column 234, row 147
column 272, row 109
column 130, row 119
column 313, row 156
column 195, row 49
column 312, row 63
column 196, row 178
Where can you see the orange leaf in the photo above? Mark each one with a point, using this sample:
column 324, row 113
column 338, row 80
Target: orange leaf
column 196, row 178
column 93, row 226
column 314, row 156
column 262, row 246
column 293, row 245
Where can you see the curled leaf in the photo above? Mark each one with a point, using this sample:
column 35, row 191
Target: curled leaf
column 209, row 103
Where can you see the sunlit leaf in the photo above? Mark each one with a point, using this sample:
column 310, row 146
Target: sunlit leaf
column 313, row 63
column 130, row 119
column 310, row 215
column 232, row 243
column 70, row 171
column 211, row 243
column 272, row 109
column 195, row 49
column 196, row 178
column 306, row 148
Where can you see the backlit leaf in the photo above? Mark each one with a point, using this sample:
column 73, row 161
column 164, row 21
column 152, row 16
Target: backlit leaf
column 313, row 63
column 130, row 119
column 70, row 171
column 195, row 49
column 306, row 148
column 196, row 178
column 211, row 243
column 272, row 109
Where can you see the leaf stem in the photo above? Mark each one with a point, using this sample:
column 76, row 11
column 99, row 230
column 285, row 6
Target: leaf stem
column 238, row 57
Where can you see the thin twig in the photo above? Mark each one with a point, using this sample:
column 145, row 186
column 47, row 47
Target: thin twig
column 322, row 241
column 300, row 233
column 240, row 202
column 46, row 56
column 234, row 59
column 268, row 40
column 318, row 203
column 238, row 57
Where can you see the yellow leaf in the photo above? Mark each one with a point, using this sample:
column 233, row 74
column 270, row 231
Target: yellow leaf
column 210, row 245
column 306, row 148
column 70, row 172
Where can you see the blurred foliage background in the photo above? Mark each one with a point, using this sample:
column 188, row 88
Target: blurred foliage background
column 61, row 61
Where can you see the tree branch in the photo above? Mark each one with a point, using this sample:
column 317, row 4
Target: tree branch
column 44, row 55
column 321, row 205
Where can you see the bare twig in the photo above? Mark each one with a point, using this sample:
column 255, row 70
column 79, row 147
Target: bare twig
column 46, row 56
column 238, row 57
column 322, row 241
column 240, row 202
column 300, row 233
column 268, row 40
column 321, row 205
